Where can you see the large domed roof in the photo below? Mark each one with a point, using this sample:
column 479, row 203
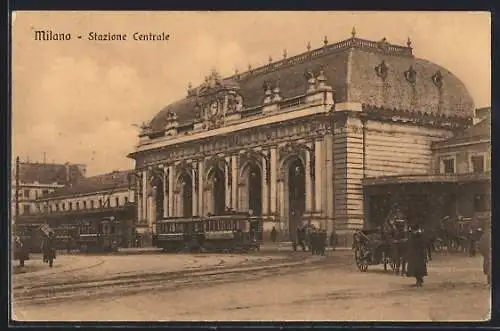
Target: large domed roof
column 372, row 73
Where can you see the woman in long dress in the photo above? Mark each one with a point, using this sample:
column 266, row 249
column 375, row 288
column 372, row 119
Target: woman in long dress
column 417, row 256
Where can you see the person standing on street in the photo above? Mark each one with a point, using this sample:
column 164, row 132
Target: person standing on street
column 274, row 234
column 21, row 250
column 485, row 250
column 49, row 252
column 417, row 256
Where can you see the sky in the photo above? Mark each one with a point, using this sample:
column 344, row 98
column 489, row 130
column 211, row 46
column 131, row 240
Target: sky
column 77, row 101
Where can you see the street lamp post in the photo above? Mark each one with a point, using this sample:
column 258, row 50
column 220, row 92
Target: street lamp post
column 16, row 215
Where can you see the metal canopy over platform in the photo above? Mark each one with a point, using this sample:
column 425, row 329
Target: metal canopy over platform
column 425, row 178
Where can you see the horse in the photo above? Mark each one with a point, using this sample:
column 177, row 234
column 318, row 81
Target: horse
column 447, row 232
column 399, row 245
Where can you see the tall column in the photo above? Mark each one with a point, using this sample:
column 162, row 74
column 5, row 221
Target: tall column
column 274, row 165
column 145, row 201
column 171, row 191
column 281, row 197
column 139, row 202
column 194, row 197
column 226, row 182
column 201, row 175
column 318, row 175
column 165, row 182
column 234, row 182
column 151, row 211
column 308, row 183
column 329, row 189
column 265, row 187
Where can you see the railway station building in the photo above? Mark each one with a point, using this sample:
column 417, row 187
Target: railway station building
column 298, row 139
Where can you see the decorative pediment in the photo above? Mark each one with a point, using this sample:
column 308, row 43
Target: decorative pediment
column 217, row 99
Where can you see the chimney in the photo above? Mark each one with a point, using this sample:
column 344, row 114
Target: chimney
column 68, row 176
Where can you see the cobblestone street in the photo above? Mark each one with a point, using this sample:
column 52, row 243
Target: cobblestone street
column 333, row 290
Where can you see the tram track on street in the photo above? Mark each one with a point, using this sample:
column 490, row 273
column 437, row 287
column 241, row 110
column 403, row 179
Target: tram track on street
column 34, row 282
column 160, row 281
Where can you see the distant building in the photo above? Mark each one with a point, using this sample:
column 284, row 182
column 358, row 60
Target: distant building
column 95, row 197
column 40, row 179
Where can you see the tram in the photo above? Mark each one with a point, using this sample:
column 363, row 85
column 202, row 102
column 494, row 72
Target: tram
column 223, row 233
column 100, row 235
column 66, row 237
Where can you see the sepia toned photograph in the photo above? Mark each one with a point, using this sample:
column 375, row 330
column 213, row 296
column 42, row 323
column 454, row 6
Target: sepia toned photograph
column 250, row 166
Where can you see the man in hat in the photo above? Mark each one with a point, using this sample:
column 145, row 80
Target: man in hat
column 49, row 251
column 485, row 250
column 21, row 250
column 274, row 234
column 417, row 255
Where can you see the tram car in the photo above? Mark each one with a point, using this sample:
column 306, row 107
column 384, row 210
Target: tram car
column 66, row 237
column 176, row 234
column 101, row 235
column 222, row 233
column 236, row 232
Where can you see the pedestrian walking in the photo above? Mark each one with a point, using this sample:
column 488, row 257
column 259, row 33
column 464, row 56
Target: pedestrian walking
column 21, row 250
column 274, row 234
column 417, row 256
column 333, row 240
column 314, row 242
column 49, row 251
column 485, row 250
column 322, row 241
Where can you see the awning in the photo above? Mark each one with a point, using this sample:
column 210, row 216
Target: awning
column 416, row 179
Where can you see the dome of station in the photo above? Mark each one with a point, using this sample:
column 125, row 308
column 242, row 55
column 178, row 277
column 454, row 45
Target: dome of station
column 377, row 74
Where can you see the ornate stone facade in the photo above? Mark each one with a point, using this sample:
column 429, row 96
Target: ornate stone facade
column 300, row 154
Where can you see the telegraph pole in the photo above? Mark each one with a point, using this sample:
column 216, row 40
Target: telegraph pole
column 17, row 190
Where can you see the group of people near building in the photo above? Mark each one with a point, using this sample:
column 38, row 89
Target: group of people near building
column 313, row 239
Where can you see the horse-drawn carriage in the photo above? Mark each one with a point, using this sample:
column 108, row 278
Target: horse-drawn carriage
column 370, row 248
column 386, row 245
column 458, row 234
